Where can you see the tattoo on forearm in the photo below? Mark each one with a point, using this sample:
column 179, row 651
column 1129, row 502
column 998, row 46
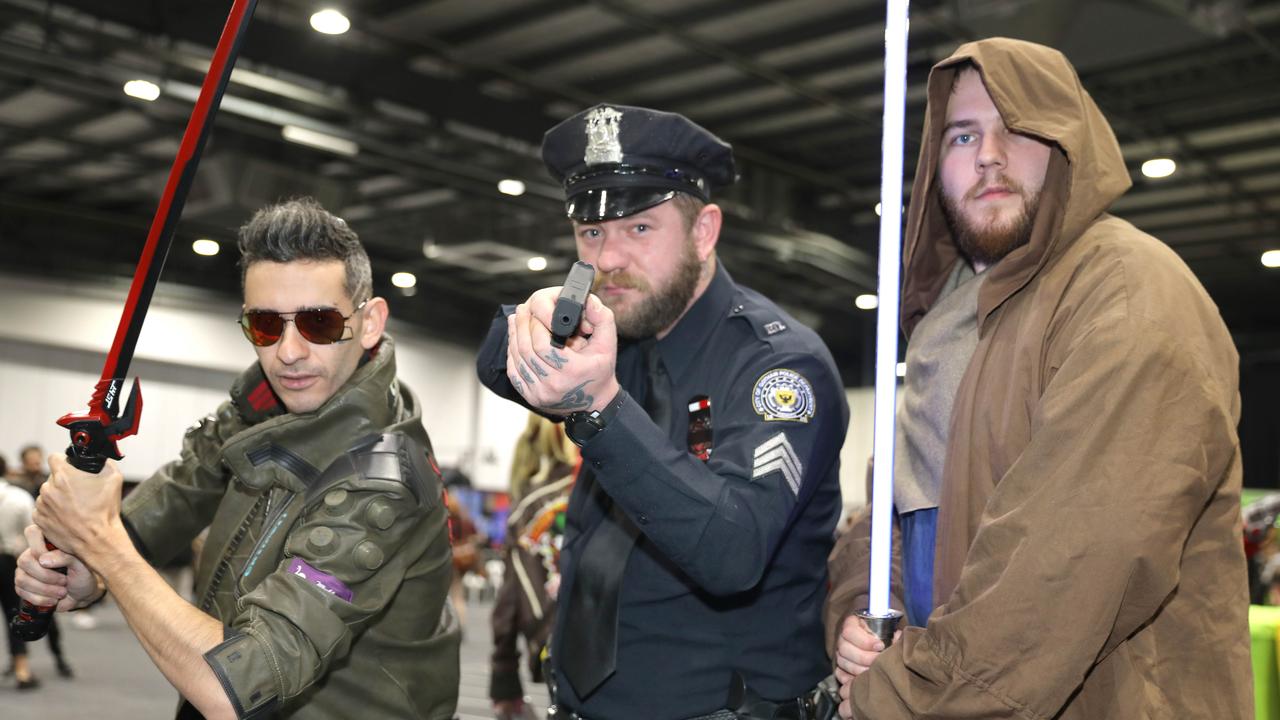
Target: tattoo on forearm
column 555, row 359
column 575, row 399
column 533, row 363
column 524, row 373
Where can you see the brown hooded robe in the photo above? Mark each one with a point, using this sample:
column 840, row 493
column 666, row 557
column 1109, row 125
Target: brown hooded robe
column 1089, row 560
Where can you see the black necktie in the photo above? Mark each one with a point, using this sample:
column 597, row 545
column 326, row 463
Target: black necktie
column 658, row 401
column 591, row 639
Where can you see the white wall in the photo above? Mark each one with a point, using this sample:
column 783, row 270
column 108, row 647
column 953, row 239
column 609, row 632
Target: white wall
column 55, row 336
column 857, row 447
column 39, row 384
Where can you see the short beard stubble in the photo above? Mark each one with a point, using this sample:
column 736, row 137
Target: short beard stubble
column 986, row 244
column 657, row 312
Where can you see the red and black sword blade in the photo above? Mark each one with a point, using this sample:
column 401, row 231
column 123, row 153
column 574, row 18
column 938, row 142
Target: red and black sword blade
column 95, row 433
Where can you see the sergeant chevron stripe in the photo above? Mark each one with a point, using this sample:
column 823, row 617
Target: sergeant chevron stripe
column 776, row 453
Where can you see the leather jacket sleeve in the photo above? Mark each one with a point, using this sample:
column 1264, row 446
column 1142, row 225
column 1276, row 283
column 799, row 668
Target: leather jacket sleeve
column 167, row 511
column 373, row 518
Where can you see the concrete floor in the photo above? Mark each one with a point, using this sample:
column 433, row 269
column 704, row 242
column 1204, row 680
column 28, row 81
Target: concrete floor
column 115, row 680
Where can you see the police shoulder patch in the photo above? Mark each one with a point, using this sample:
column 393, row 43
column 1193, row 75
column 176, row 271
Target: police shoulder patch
column 785, row 395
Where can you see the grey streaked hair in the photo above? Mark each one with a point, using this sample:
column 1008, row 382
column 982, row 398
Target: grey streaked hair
column 300, row 230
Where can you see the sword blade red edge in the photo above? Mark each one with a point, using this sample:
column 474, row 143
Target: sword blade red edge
column 210, row 92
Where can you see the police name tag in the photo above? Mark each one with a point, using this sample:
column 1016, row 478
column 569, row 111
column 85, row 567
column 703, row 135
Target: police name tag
column 783, row 395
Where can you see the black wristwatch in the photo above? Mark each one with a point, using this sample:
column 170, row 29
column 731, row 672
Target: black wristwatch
column 582, row 426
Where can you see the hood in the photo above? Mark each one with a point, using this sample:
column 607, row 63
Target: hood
column 1039, row 94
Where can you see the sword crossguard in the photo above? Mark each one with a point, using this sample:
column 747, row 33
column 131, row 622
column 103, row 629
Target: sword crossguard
column 94, row 435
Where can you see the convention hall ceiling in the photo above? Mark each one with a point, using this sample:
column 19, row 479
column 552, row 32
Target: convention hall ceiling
column 439, row 100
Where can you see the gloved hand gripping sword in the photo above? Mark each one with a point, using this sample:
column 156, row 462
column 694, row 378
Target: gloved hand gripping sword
column 94, row 434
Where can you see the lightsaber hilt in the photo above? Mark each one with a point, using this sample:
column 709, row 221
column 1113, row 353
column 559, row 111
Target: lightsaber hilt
column 883, row 625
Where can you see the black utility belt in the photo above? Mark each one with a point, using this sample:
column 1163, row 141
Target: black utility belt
column 554, row 714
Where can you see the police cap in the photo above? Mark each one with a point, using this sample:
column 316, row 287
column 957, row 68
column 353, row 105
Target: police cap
column 616, row 160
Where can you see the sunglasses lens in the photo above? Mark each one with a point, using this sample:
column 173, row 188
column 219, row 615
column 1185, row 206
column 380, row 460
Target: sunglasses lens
column 262, row 328
column 321, row 326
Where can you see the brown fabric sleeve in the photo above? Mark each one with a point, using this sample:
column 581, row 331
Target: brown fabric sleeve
column 1081, row 546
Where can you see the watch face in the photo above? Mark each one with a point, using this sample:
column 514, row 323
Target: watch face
column 581, row 427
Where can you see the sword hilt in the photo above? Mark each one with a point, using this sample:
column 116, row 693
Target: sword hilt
column 94, row 435
column 32, row 621
column 93, row 440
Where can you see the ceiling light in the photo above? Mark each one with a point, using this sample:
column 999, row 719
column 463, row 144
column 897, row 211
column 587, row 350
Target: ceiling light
column 867, row 302
column 205, row 246
column 1271, row 258
column 901, row 369
column 323, row 141
column 537, row 263
column 142, row 89
column 877, row 208
column 431, row 250
column 404, row 280
column 514, row 188
column 1159, row 167
column 330, row 22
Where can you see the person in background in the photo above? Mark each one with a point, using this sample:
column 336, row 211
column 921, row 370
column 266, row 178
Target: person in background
column 16, row 505
column 542, row 474
column 466, row 541
column 30, row 473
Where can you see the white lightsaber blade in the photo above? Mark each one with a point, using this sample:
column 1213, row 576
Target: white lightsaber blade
column 895, row 92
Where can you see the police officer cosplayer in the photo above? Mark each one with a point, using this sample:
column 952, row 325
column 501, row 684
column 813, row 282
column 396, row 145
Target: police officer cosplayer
column 321, row 590
column 710, row 423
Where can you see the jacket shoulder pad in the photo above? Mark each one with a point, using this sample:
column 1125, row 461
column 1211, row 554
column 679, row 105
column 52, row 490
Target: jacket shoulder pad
column 387, row 458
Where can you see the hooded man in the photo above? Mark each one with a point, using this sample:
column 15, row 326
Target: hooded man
column 1075, row 443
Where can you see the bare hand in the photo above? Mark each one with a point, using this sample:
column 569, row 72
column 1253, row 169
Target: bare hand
column 579, row 376
column 38, row 581
column 78, row 511
column 856, row 649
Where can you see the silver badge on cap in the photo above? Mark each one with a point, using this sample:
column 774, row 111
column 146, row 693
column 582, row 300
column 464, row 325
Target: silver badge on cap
column 603, row 145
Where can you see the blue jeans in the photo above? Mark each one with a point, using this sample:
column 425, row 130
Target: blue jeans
column 919, row 533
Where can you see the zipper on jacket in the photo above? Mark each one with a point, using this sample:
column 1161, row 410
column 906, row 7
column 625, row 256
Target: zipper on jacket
column 224, row 564
column 269, row 528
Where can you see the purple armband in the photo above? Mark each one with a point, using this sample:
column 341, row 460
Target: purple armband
column 324, row 581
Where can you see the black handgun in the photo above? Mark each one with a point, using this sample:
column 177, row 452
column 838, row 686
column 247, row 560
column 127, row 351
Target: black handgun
column 573, row 296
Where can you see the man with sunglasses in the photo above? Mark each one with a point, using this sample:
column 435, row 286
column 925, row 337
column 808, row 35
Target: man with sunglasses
column 710, row 422
column 322, row 587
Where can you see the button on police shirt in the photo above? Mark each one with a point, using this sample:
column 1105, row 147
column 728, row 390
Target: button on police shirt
column 730, row 572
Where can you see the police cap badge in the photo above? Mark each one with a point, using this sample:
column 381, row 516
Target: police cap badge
column 617, row 160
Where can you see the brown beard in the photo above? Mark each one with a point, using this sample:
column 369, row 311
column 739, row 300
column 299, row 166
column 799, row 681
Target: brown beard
column 660, row 309
column 987, row 245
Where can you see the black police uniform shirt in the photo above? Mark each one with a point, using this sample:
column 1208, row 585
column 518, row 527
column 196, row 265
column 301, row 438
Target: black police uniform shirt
column 730, row 573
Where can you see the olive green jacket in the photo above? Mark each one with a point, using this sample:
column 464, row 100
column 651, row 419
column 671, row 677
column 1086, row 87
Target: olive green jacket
column 328, row 555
